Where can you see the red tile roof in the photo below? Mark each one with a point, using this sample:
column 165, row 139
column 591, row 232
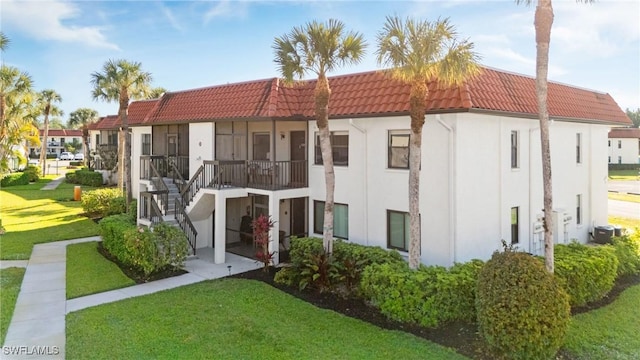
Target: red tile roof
column 62, row 132
column 374, row 94
column 138, row 110
column 109, row 122
column 624, row 133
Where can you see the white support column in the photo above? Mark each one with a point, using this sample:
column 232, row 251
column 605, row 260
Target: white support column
column 219, row 238
column 274, row 234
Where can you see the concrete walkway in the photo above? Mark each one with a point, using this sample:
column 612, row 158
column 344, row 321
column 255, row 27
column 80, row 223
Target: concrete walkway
column 53, row 184
column 37, row 329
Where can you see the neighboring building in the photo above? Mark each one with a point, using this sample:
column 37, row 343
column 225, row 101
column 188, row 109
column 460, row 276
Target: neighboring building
column 253, row 147
column 56, row 140
column 624, row 146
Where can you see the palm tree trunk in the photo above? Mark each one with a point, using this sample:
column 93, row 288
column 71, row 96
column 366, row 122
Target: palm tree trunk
column 124, row 112
column 322, row 95
column 43, row 148
column 543, row 22
column 85, row 140
column 417, row 113
column 121, row 159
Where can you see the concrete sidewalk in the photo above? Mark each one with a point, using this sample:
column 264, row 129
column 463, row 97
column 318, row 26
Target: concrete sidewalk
column 37, row 329
column 53, row 184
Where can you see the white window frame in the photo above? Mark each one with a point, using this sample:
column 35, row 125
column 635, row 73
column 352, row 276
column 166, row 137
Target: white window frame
column 514, row 149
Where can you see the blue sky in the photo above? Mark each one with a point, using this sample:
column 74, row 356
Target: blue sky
column 188, row 44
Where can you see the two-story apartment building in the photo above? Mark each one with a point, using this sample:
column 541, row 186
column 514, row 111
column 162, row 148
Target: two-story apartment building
column 56, row 139
column 624, row 146
column 212, row 155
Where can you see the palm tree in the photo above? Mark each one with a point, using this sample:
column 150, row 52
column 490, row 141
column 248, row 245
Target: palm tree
column 121, row 80
column 418, row 52
column 543, row 22
column 82, row 118
column 157, row 92
column 15, row 104
column 4, row 41
column 319, row 48
column 46, row 100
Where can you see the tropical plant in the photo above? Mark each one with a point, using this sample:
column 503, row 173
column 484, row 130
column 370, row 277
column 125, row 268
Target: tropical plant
column 16, row 123
column 45, row 102
column 261, row 227
column 634, row 115
column 543, row 21
column 121, row 80
column 156, row 92
column 417, row 52
column 73, row 146
column 320, row 48
column 81, row 118
column 4, row 41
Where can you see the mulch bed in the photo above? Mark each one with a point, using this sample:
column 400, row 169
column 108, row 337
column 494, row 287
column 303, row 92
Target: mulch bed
column 460, row 336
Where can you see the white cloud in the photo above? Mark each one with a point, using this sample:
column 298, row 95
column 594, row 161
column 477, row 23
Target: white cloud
column 46, row 20
column 599, row 29
column 226, row 8
column 171, row 18
column 510, row 60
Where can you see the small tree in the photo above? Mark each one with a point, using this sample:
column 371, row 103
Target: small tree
column 261, row 227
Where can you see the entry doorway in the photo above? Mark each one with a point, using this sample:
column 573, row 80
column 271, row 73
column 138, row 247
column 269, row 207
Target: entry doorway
column 298, row 151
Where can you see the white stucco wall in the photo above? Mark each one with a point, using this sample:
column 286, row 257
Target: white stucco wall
column 628, row 153
column 201, row 144
column 136, row 152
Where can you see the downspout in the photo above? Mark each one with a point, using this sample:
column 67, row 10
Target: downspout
column 452, row 189
column 365, row 177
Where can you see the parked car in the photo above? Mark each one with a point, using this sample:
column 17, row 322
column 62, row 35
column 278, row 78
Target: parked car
column 79, row 156
column 65, row 156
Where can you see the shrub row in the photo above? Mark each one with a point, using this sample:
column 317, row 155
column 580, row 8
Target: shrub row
column 429, row 296
column 311, row 267
column 523, row 312
column 103, row 202
column 587, row 273
column 148, row 250
column 86, row 177
column 15, row 179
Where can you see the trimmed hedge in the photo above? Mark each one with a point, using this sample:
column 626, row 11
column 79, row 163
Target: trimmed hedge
column 103, row 202
column 15, row 179
column 523, row 312
column 148, row 250
column 587, row 273
column 429, row 296
column 86, row 177
column 624, row 167
column 627, row 248
column 33, row 172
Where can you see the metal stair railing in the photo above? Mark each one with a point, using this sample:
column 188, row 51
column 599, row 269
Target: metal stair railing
column 184, row 222
column 149, row 209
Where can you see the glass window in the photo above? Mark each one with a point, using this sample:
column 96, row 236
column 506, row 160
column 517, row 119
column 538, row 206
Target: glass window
column 146, row 144
column 609, row 159
column 578, row 148
column 514, row 225
column 619, row 159
column 398, row 150
column 340, row 219
column 514, row 150
column 397, row 230
column 619, row 144
column 339, row 147
column 261, row 146
column 578, row 209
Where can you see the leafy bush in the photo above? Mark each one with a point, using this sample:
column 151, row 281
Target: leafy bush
column 15, row 179
column 627, row 248
column 33, row 172
column 86, row 177
column 133, row 210
column 523, row 312
column 148, row 250
column 154, row 250
column 429, row 296
column 103, row 202
column 587, row 273
column 310, row 267
column 112, row 229
column 75, row 163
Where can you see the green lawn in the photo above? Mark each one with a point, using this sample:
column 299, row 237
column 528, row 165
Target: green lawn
column 624, row 175
column 233, row 319
column 610, row 332
column 10, row 282
column 624, row 197
column 626, row 223
column 33, row 216
column 88, row 272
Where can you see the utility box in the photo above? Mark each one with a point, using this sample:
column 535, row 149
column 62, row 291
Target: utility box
column 603, row 234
